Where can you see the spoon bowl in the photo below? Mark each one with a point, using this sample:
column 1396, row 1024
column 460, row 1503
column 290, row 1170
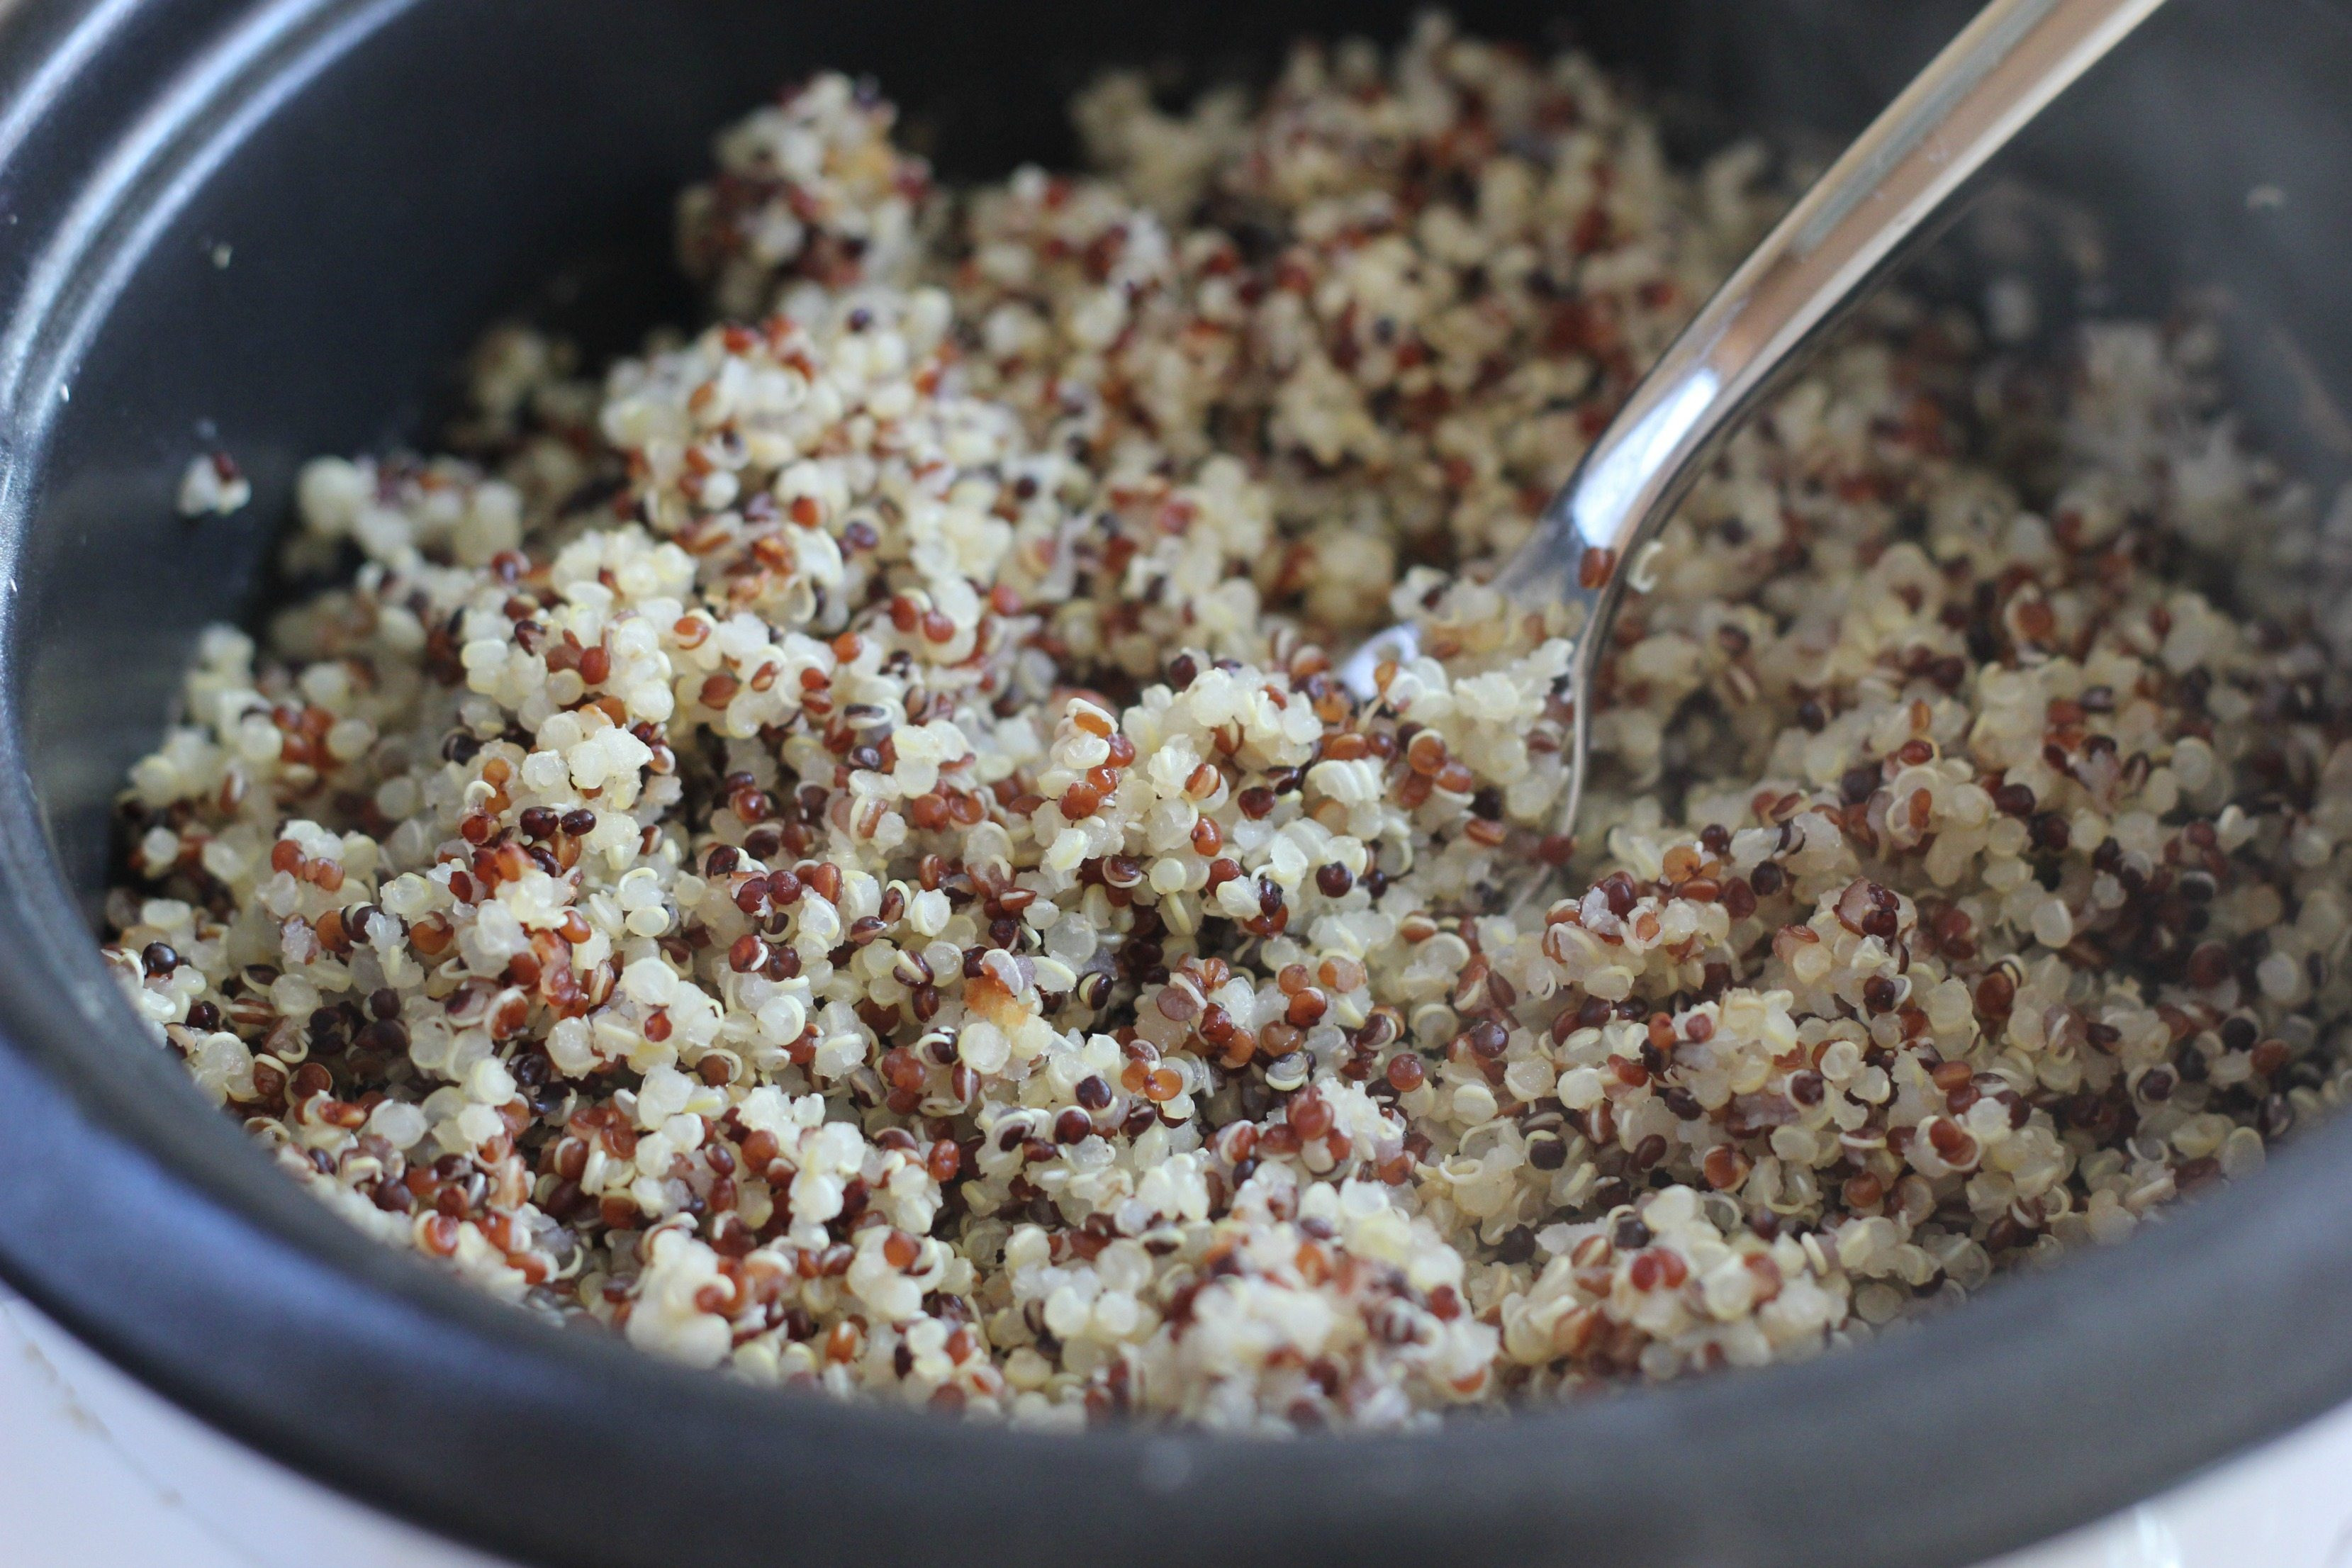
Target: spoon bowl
column 1595, row 538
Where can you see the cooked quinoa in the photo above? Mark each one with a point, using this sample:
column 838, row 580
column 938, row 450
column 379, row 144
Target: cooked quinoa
column 837, row 852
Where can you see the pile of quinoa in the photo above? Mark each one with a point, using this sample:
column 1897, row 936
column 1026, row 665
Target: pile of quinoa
column 836, row 851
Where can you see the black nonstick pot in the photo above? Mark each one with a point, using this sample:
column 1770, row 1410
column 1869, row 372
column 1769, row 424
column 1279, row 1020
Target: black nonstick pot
column 274, row 228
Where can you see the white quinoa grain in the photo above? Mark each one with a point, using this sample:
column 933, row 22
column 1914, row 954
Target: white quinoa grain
column 211, row 485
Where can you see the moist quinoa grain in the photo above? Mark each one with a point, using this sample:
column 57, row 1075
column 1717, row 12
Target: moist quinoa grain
column 838, row 851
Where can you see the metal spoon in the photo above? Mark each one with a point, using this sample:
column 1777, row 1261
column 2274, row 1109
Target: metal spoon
column 1989, row 84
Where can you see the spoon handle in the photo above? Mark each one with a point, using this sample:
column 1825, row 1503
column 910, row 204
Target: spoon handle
column 1987, row 85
